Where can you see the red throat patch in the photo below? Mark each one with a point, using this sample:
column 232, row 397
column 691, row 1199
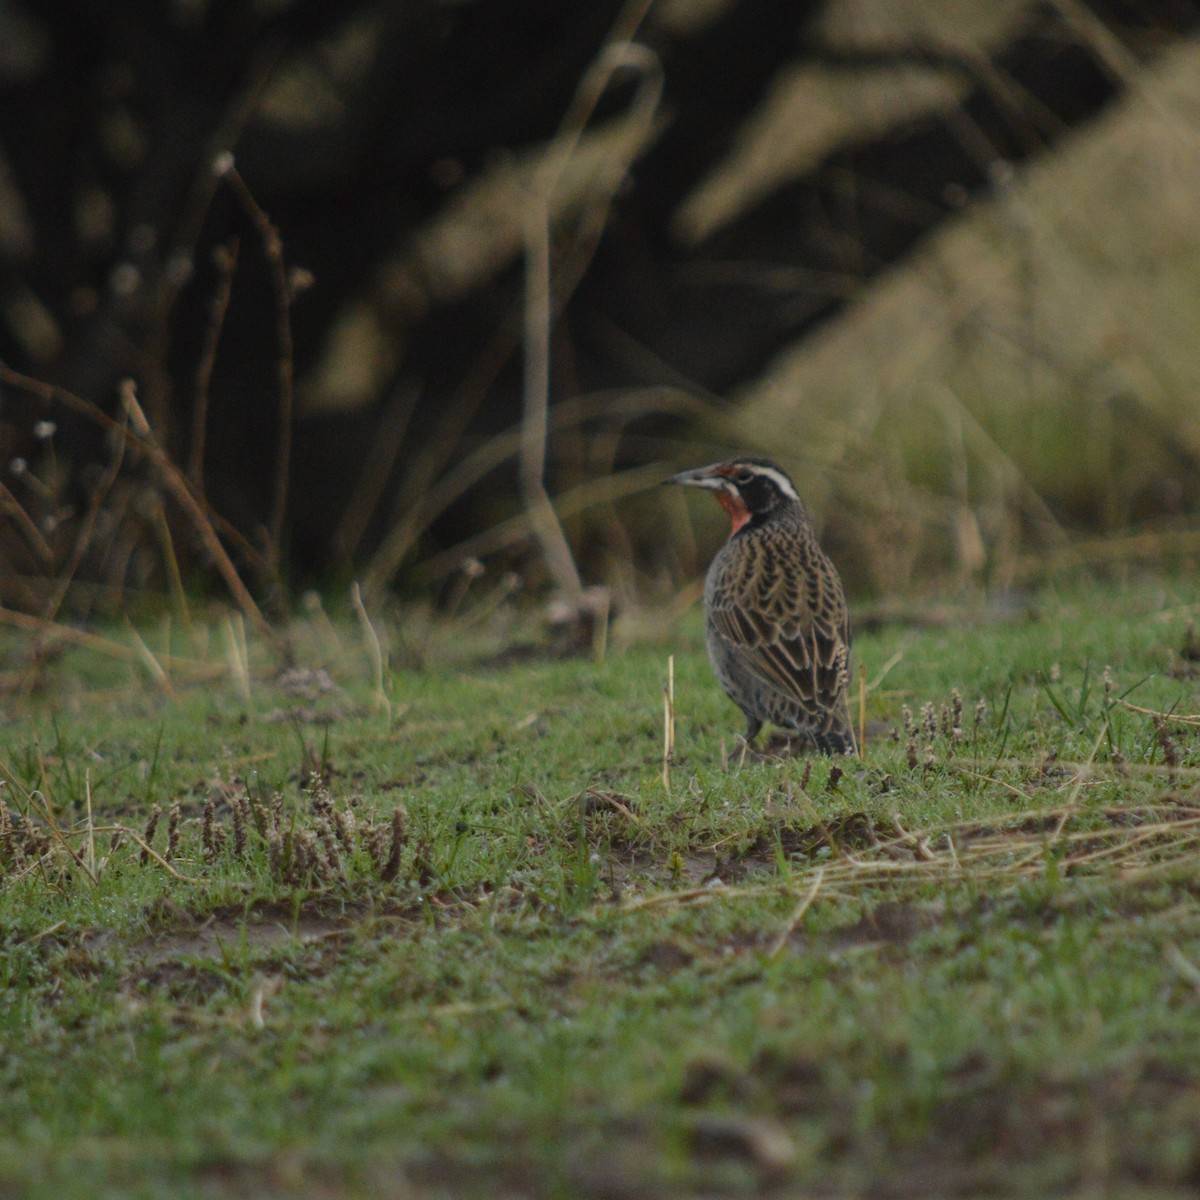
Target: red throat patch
column 735, row 506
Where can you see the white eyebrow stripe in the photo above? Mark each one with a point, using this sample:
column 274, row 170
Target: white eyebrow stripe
column 781, row 481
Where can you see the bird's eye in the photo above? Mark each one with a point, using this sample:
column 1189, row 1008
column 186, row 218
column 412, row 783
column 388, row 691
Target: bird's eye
column 743, row 477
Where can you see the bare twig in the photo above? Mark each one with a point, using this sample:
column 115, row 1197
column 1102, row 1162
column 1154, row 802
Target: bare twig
column 87, row 529
column 148, row 850
column 140, row 437
column 226, row 259
column 1178, row 718
column 10, row 505
column 273, row 250
column 205, row 180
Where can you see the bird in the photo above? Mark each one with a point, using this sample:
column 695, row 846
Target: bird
column 777, row 625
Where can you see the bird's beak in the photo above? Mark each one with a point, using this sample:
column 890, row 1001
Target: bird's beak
column 705, row 477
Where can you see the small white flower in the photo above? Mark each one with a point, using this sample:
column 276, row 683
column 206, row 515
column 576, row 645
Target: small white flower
column 44, row 429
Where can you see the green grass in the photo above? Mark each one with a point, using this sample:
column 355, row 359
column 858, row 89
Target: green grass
column 575, row 980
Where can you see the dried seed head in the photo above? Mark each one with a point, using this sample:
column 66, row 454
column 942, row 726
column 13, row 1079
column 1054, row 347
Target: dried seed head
column 909, row 728
column 173, row 819
column 910, row 750
column 275, row 854
column 148, row 833
column 331, row 859
column 208, row 837
column 346, row 828
column 399, row 838
column 260, row 816
column 304, row 857
column 239, row 807
column 928, row 721
column 375, row 838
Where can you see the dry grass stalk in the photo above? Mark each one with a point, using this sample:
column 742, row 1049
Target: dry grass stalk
column 89, row 852
column 542, row 518
column 1139, row 843
column 668, row 723
column 797, row 916
column 226, row 258
column 547, row 292
column 862, row 710
column 135, row 431
column 148, row 851
column 150, row 662
column 238, row 654
column 1163, row 717
column 283, row 288
column 15, row 511
column 81, row 637
column 374, row 651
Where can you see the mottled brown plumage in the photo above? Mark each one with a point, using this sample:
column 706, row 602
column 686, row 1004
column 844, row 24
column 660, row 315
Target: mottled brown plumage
column 778, row 629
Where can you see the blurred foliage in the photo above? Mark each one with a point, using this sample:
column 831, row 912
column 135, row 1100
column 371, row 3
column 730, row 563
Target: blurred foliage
column 305, row 232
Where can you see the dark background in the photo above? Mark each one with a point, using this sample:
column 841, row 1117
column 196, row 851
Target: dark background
column 355, row 128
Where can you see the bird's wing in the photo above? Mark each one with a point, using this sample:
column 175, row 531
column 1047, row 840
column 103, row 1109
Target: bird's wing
column 795, row 638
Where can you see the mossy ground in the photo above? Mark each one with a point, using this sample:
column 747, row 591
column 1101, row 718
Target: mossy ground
column 968, row 965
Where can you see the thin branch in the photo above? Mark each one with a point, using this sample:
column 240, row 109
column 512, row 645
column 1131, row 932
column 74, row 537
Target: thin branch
column 141, row 438
column 226, row 257
column 87, row 529
column 273, row 250
column 33, row 535
column 542, row 519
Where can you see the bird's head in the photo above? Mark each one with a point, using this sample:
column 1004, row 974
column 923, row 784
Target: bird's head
column 749, row 489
